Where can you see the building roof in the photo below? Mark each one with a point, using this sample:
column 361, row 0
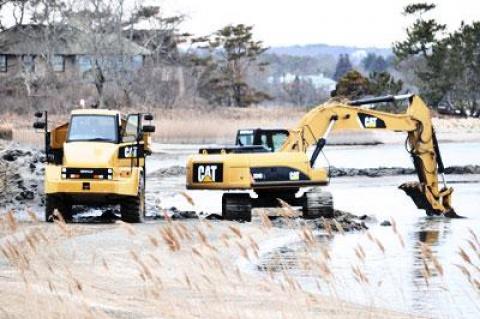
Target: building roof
column 64, row 39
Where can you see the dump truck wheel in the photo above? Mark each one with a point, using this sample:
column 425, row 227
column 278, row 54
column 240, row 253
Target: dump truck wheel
column 59, row 203
column 237, row 206
column 132, row 209
column 317, row 204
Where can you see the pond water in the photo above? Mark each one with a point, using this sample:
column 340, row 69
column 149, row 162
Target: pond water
column 395, row 276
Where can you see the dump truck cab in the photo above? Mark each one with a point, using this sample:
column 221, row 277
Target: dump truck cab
column 96, row 158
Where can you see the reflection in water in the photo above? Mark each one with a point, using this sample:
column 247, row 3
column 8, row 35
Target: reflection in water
column 420, row 278
column 431, row 233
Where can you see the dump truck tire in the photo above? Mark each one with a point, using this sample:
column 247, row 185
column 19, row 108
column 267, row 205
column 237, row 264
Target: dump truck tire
column 132, row 209
column 59, row 203
column 317, row 204
column 237, row 206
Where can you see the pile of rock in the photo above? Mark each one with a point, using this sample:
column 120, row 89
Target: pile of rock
column 393, row 171
column 21, row 177
column 341, row 222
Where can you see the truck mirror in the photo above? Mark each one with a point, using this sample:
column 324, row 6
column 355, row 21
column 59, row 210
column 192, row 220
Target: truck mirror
column 148, row 117
column 38, row 114
column 148, row 129
column 39, row 125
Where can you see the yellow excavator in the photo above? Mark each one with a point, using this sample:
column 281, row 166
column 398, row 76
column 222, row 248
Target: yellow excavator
column 283, row 173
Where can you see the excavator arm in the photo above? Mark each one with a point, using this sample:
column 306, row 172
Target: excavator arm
column 314, row 128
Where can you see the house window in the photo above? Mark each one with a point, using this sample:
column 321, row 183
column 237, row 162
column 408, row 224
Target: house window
column 137, row 62
column 3, row 63
column 84, row 63
column 28, row 63
column 58, row 63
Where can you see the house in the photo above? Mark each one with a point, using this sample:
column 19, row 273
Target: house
column 66, row 50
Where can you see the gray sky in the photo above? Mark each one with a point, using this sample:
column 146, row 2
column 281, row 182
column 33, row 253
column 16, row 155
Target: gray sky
column 341, row 22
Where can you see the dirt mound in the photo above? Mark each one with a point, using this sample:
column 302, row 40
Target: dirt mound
column 168, row 172
column 342, row 221
column 21, row 176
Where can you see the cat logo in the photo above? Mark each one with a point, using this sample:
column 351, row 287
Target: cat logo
column 370, row 122
column 208, row 173
column 130, row 151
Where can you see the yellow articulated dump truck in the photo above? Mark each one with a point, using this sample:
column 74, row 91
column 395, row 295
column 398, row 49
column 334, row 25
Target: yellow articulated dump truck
column 281, row 174
column 96, row 158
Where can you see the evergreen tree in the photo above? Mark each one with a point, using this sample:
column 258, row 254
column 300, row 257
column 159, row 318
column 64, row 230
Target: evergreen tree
column 422, row 35
column 374, row 63
column 343, row 66
column 233, row 52
column 382, row 83
column 352, row 86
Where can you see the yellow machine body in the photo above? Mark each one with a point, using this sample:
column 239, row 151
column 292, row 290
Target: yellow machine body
column 89, row 155
column 237, row 171
column 290, row 168
column 96, row 158
column 94, row 155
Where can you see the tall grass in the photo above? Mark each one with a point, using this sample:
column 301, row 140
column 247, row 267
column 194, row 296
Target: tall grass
column 177, row 270
column 219, row 125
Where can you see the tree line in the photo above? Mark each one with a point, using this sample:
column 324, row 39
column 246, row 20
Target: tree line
column 231, row 68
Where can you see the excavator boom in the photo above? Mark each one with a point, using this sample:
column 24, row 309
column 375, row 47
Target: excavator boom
column 427, row 194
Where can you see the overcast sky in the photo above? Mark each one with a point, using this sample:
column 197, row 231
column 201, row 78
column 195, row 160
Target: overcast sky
column 341, row 22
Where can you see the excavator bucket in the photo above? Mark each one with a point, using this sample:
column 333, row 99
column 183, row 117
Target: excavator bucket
column 416, row 191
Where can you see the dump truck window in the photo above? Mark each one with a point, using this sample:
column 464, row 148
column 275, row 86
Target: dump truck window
column 132, row 125
column 130, row 132
column 100, row 128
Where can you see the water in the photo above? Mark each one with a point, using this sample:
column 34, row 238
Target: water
column 385, row 155
column 395, row 155
column 395, row 276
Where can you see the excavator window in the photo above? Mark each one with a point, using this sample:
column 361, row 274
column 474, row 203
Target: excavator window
column 278, row 139
column 271, row 139
column 245, row 138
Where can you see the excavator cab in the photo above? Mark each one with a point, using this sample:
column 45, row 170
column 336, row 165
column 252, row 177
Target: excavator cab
column 271, row 139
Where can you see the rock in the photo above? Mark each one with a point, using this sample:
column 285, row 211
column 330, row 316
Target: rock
column 28, row 195
column 109, row 215
column 184, row 215
column 9, row 157
column 169, row 172
column 386, row 223
column 393, row 171
column 368, row 219
column 347, row 221
column 214, row 217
